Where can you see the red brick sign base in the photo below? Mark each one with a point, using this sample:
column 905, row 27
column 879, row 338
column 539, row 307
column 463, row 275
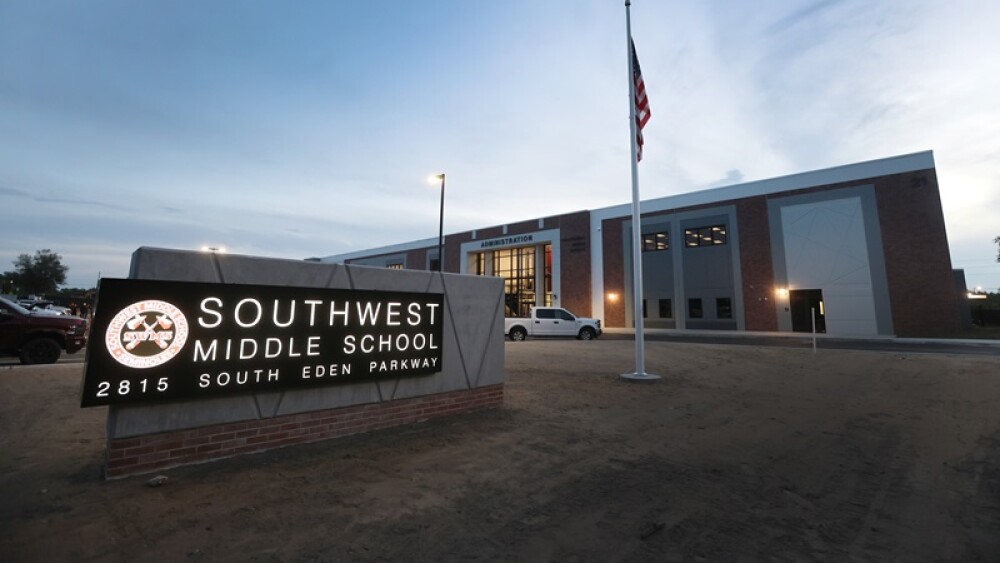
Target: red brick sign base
column 154, row 452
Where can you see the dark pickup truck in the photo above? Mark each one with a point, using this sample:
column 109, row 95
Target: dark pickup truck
column 38, row 338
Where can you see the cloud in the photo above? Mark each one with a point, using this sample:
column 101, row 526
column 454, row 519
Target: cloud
column 271, row 135
column 732, row 177
column 13, row 192
column 799, row 16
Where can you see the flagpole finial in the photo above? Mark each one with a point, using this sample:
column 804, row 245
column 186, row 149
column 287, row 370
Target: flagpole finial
column 628, row 3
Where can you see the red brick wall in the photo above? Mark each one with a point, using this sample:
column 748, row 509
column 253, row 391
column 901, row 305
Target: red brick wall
column 453, row 253
column 574, row 261
column 757, row 268
column 154, row 452
column 453, row 246
column 521, row 228
column 917, row 259
column 417, row 259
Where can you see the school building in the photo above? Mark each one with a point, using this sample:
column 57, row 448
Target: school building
column 860, row 248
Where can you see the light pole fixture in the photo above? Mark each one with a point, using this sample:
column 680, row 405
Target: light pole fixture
column 433, row 179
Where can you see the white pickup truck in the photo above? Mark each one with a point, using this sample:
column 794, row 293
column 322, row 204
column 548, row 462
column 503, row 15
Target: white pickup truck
column 551, row 321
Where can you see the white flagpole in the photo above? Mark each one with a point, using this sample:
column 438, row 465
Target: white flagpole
column 640, row 345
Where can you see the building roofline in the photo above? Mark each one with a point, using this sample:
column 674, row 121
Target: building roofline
column 382, row 250
column 838, row 174
column 922, row 160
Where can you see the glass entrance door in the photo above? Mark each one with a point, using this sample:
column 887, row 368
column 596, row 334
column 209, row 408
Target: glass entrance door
column 527, row 275
column 517, row 267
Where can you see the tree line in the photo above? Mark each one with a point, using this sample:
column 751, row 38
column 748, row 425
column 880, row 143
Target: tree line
column 38, row 274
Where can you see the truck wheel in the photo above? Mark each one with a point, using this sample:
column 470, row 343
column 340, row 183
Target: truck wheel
column 587, row 333
column 517, row 334
column 40, row 351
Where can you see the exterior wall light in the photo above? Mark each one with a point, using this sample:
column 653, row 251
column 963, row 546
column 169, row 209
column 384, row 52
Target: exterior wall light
column 612, row 297
column 782, row 292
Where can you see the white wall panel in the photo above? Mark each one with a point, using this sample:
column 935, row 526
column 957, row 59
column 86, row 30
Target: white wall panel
column 826, row 248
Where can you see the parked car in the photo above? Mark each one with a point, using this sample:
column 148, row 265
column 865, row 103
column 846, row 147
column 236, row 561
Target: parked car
column 551, row 321
column 37, row 337
column 47, row 307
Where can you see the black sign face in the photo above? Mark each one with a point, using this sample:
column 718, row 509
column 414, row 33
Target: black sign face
column 160, row 341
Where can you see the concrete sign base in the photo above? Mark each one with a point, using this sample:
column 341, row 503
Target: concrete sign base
column 150, row 437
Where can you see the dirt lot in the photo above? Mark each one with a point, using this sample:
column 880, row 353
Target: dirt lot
column 740, row 453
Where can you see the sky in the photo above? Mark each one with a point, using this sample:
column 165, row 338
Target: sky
column 309, row 128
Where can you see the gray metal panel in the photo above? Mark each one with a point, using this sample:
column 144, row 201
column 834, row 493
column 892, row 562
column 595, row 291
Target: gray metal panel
column 876, row 260
column 711, row 272
column 658, row 271
column 705, row 272
column 873, row 244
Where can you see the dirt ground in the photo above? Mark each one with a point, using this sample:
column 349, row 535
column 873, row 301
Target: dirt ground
column 738, row 454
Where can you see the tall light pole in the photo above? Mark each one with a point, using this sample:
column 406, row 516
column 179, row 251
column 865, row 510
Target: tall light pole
column 433, row 179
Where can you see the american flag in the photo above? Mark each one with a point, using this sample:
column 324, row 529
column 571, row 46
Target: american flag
column 641, row 103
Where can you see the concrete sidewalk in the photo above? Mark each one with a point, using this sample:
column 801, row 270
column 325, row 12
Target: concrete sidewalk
column 799, row 336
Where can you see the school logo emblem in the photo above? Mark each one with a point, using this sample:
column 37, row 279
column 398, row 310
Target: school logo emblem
column 146, row 334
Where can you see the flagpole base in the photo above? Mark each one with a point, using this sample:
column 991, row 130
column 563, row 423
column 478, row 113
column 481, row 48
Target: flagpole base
column 640, row 377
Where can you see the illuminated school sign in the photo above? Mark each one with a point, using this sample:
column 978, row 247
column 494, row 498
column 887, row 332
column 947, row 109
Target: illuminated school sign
column 159, row 340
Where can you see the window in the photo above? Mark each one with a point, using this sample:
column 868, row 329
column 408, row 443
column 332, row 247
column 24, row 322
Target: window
column 545, row 313
column 694, row 309
column 517, row 268
column 666, row 309
column 705, row 236
column 396, row 266
column 723, row 308
column 564, row 315
column 644, row 308
column 652, row 242
column 435, row 264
